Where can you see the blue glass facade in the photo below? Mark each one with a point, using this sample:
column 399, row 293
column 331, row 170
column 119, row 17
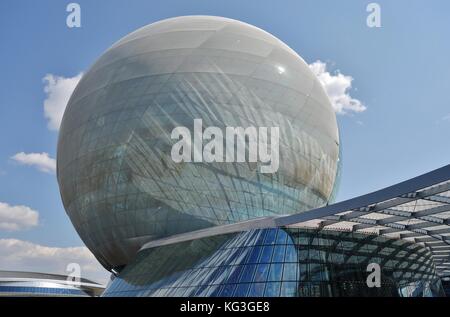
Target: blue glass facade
column 280, row 262
column 40, row 291
column 40, row 284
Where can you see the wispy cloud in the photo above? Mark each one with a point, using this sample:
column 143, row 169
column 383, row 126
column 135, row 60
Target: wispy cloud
column 13, row 218
column 28, row 256
column 42, row 161
column 58, row 90
column 443, row 120
column 337, row 86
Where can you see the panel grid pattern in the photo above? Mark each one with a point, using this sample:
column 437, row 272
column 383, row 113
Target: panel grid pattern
column 421, row 216
column 277, row 262
column 118, row 182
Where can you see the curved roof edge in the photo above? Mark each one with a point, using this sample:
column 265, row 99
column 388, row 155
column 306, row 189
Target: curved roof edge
column 409, row 186
column 22, row 276
column 417, row 209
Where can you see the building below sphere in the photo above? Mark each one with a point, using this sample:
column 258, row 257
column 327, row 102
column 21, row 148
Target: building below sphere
column 390, row 243
column 280, row 262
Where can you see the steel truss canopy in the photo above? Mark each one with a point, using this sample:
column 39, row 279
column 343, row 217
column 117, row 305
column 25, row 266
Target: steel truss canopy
column 417, row 210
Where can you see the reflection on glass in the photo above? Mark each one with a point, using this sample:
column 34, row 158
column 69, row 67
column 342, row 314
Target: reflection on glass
column 325, row 263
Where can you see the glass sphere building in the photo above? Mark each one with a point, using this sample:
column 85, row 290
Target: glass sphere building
column 118, row 181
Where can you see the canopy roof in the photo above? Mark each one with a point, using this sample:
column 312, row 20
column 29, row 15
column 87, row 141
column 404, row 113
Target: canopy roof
column 417, row 210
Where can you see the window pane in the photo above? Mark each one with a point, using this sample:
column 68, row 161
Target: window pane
column 278, row 253
column 275, row 272
column 256, row 290
column 261, row 273
column 288, row 289
column 247, row 274
column 272, row 289
column 241, row 290
column 266, row 254
column 290, row 272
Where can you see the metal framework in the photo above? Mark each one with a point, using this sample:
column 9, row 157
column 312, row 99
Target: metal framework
column 417, row 210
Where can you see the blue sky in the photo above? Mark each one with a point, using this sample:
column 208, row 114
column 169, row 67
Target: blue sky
column 400, row 74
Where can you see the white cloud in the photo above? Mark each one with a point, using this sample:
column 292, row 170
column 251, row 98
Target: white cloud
column 58, row 90
column 42, row 161
column 19, row 255
column 337, row 86
column 13, row 218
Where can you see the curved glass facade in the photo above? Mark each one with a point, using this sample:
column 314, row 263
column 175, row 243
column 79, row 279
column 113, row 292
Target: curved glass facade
column 446, row 286
column 39, row 289
column 118, row 182
column 280, row 262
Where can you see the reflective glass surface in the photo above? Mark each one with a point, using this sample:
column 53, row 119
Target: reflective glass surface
column 30, row 290
column 446, row 286
column 280, row 262
column 118, row 182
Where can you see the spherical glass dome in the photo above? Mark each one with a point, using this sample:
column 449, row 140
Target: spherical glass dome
column 119, row 182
